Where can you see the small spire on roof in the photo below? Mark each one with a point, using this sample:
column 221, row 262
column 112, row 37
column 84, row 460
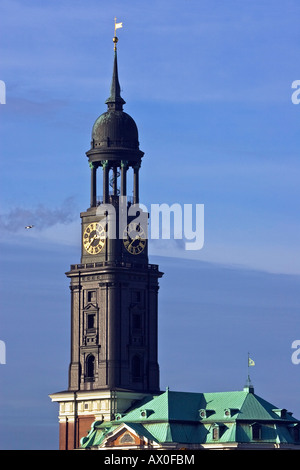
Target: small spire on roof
column 248, row 387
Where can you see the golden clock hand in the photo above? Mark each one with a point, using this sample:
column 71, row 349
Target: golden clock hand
column 94, row 238
column 133, row 240
column 130, row 243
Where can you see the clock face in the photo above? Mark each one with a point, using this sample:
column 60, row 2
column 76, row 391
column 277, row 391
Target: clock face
column 134, row 238
column 94, row 237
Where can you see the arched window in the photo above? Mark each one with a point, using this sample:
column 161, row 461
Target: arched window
column 90, row 367
column 136, row 368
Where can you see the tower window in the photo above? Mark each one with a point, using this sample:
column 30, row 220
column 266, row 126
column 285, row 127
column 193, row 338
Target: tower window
column 91, row 296
column 90, row 367
column 136, row 321
column 136, row 366
column 90, row 321
column 137, row 296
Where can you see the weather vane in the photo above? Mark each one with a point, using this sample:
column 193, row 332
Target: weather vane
column 115, row 39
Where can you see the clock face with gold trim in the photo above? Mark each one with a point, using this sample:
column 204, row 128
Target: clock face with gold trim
column 94, row 237
column 134, row 238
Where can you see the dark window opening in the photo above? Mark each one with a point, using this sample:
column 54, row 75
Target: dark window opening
column 136, row 368
column 136, row 321
column 91, row 296
column 256, row 432
column 137, row 296
column 296, row 433
column 91, row 321
column 90, row 367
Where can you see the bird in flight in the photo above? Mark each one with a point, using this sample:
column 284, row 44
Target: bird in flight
column 29, row 226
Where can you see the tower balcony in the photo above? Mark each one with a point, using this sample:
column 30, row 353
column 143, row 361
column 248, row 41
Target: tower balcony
column 113, row 264
column 114, row 199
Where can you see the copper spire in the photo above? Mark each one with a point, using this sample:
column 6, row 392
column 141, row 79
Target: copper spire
column 115, row 101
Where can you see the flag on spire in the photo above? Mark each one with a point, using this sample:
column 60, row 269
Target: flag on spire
column 117, row 25
column 250, row 362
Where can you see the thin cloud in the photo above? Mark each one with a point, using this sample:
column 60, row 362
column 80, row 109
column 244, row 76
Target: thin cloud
column 41, row 217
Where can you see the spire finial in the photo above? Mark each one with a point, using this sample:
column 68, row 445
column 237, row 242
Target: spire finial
column 115, row 39
column 115, row 101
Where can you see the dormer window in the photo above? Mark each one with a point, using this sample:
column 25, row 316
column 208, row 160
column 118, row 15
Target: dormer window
column 297, row 433
column 205, row 413
column 216, row 432
column 228, row 412
column 256, row 431
column 281, row 412
column 145, row 413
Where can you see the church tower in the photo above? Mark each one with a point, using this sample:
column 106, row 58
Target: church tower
column 114, row 289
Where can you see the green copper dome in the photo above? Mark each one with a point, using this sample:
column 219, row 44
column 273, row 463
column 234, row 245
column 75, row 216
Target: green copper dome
column 114, row 133
column 115, row 129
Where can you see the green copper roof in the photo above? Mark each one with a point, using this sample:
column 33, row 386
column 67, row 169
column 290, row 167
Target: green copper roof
column 183, row 417
column 185, row 406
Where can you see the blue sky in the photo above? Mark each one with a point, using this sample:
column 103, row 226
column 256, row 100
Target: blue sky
column 209, row 86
